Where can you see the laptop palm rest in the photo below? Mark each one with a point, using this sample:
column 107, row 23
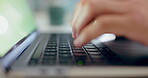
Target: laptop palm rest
column 132, row 52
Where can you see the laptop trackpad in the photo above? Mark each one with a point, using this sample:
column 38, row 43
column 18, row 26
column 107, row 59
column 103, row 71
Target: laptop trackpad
column 131, row 52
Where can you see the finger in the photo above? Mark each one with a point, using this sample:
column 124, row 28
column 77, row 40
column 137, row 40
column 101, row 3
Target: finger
column 76, row 14
column 93, row 8
column 105, row 24
column 85, row 17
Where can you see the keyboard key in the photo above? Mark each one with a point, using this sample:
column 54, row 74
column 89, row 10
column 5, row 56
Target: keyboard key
column 92, row 50
column 77, row 48
column 89, row 44
column 52, row 42
column 63, row 43
column 51, row 47
column 78, row 51
column 64, row 52
column 64, row 49
column 50, row 54
column 65, row 56
column 80, row 54
column 50, row 50
column 94, row 53
column 90, row 47
column 64, row 46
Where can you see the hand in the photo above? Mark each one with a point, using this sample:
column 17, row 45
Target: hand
column 128, row 18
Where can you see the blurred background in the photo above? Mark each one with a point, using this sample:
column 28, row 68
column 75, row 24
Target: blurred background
column 53, row 15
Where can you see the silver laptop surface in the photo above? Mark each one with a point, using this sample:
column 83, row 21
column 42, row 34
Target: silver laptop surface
column 25, row 52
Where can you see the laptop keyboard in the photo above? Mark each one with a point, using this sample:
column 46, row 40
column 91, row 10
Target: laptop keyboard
column 60, row 50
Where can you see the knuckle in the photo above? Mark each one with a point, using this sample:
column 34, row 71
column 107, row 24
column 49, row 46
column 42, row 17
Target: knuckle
column 87, row 3
column 84, row 2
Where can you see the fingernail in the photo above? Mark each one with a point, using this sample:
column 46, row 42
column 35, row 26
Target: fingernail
column 73, row 33
column 79, row 41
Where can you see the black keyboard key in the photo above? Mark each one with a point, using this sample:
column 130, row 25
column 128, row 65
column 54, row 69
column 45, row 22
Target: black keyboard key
column 63, row 46
column 64, row 52
column 80, row 54
column 51, row 47
column 65, row 56
column 92, row 50
column 64, row 49
column 52, row 42
column 74, row 48
column 63, row 43
column 50, row 50
column 50, row 54
column 89, row 44
column 78, row 51
column 94, row 53
column 54, row 45
column 90, row 47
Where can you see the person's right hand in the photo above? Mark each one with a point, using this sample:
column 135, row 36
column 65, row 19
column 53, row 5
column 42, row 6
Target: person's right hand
column 127, row 18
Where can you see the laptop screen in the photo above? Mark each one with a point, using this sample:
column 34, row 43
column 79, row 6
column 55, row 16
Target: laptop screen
column 16, row 22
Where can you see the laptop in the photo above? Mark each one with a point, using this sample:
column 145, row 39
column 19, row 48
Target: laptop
column 25, row 52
